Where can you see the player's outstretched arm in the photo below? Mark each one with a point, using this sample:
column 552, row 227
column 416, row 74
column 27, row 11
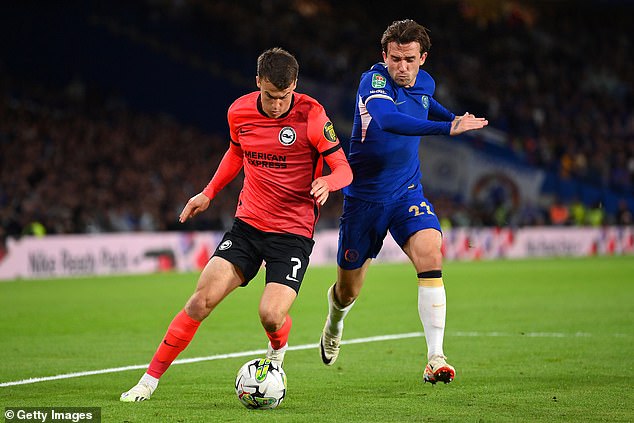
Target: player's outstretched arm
column 196, row 205
column 467, row 122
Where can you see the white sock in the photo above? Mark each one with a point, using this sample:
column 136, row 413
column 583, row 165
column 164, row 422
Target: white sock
column 151, row 381
column 432, row 309
column 336, row 314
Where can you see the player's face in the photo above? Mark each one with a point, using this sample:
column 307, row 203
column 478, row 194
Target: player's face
column 275, row 102
column 403, row 62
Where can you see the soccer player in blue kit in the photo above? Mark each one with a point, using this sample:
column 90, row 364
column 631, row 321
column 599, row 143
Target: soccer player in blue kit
column 393, row 102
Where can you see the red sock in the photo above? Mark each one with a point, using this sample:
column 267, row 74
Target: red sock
column 179, row 333
column 280, row 338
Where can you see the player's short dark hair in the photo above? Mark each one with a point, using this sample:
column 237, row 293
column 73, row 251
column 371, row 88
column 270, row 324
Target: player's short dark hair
column 278, row 66
column 404, row 32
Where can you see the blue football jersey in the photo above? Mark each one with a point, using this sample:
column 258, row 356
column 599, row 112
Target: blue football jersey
column 385, row 162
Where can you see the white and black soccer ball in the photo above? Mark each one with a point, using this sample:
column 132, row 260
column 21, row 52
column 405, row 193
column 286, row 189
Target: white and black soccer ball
column 261, row 384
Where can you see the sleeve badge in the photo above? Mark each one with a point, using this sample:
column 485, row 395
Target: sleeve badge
column 329, row 132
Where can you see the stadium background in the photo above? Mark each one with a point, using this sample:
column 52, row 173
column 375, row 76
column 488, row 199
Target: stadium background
column 113, row 114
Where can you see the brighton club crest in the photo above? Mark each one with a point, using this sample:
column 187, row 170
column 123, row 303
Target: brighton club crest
column 287, row 135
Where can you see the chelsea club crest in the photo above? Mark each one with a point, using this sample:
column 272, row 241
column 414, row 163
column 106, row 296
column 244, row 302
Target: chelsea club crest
column 425, row 101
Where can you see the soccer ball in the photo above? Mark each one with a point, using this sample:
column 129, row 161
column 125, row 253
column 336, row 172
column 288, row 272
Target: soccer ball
column 261, row 384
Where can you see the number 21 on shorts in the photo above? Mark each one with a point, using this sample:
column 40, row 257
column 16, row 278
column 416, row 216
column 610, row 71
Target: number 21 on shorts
column 422, row 209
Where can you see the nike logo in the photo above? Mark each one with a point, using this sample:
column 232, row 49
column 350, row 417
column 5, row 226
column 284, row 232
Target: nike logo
column 398, row 103
column 289, row 278
column 325, row 359
column 169, row 345
column 438, row 305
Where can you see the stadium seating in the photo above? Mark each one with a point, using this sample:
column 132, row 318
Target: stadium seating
column 111, row 117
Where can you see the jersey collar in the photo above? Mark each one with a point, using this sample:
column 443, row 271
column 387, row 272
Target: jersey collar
column 282, row 116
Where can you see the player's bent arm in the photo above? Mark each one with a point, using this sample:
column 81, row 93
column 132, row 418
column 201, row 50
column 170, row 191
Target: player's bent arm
column 340, row 176
column 439, row 111
column 341, row 173
column 389, row 119
column 228, row 169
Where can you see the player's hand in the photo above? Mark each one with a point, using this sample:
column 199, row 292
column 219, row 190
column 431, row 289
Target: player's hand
column 320, row 190
column 196, row 205
column 467, row 122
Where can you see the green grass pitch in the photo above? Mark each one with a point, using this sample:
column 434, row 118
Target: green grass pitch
column 548, row 340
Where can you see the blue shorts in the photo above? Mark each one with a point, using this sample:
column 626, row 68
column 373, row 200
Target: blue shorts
column 363, row 225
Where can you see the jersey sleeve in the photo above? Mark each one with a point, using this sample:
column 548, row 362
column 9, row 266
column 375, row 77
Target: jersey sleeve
column 322, row 135
column 438, row 110
column 341, row 173
column 375, row 85
column 389, row 119
column 377, row 94
column 231, row 163
column 231, row 120
column 228, row 169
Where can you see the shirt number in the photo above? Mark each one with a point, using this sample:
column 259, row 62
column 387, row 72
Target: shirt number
column 423, row 209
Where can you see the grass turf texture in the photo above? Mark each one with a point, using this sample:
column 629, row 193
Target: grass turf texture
column 535, row 340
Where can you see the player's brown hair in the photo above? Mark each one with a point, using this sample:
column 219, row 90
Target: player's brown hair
column 406, row 31
column 278, row 66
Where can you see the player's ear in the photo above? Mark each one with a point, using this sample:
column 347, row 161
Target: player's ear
column 294, row 84
column 423, row 57
column 257, row 81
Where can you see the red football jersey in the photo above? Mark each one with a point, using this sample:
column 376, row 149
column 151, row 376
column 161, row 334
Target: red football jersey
column 281, row 158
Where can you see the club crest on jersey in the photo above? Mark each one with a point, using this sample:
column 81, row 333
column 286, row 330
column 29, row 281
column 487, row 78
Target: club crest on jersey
column 425, row 100
column 287, row 135
column 225, row 245
column 329, row 132
column 378, row 81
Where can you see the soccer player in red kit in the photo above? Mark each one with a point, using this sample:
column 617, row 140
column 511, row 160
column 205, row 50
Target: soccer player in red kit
column 280, row 138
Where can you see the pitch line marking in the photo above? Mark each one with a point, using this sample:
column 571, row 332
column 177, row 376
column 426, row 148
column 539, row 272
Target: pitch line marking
column 291, row 348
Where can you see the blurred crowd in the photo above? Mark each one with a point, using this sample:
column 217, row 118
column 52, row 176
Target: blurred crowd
column 557, row 81
column 75, row 161
column 555, row 77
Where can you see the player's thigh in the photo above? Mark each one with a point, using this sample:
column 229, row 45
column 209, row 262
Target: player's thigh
column 217, row 280
column 287, row 257
column 243, row 246
column 416, row 229
column 424, row 250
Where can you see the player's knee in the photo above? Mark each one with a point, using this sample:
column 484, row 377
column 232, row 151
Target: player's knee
column 429, row 259
column 272, row 320
column 198, row 307
column 346, row 293
column 435, row 260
